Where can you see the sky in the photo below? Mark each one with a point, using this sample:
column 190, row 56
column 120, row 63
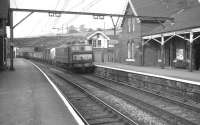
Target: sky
column 39, row 24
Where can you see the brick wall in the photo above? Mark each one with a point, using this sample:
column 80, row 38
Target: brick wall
column 151, row 53
column 154, row 84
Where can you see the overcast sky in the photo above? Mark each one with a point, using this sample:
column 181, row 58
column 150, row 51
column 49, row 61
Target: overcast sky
column 41, row 24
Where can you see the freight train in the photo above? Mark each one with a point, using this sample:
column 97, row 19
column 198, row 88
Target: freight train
column 76, row 57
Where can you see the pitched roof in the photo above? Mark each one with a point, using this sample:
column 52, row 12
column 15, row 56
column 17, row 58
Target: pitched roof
column 161, row 8
column 108, row 33
column 158, row 8
column 185, row 19
column 167, row 8
column 98, row 32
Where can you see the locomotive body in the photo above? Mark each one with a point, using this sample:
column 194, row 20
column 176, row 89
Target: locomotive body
column 78, row 57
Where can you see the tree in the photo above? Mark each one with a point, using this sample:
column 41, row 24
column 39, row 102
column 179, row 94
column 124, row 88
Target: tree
column 82, row 28
column 72, row 29
column 90, row 30
column 99, row 29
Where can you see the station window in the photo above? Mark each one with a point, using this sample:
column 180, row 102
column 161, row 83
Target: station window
column 131, row 50
column 99, row 43
column 94, row 43
column 133, row 24
column 129, row 24
column 90, row 42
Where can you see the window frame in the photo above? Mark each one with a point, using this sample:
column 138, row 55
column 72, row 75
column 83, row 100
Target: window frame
column 129, row 24
column 99, row 41
column 133, row 24
column 131, row 51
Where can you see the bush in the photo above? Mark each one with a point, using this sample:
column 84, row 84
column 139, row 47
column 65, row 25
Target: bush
column 181, row 64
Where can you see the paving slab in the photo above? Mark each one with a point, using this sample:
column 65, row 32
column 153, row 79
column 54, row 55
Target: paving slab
column 26, row 98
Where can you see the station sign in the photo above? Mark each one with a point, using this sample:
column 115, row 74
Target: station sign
column 179, row 54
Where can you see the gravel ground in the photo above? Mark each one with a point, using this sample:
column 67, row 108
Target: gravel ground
column 123, row 106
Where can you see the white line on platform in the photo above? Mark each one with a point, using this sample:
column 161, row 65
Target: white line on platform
column 153, row 75
column 74, row 114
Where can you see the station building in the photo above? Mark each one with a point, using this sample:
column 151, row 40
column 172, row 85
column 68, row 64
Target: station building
column 4, row 21
column 103, row 43
column 170, row 43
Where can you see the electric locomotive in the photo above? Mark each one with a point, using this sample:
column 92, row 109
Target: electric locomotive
column 77, row 57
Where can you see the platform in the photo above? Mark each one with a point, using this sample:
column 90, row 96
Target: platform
column 168, row 73
column 27, row 98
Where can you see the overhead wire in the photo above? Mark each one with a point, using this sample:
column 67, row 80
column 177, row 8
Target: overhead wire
column 57, row 4
column 15, row 3
column 91, row 4
column 34, row 27
column 87, row 7
column 122, row 12
column 76, row 5
column 48, row 20
column 65, row 6
column 39, row 22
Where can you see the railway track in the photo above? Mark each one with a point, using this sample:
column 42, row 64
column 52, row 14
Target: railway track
column 141, row 105
column 160, row 108
column 174, row 112
column 175, row 94
column 90, row 108
column 174, row 100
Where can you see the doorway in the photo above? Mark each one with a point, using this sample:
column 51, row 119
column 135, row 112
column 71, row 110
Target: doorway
column 196, row 48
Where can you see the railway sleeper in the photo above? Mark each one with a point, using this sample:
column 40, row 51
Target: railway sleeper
column 103, row 120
